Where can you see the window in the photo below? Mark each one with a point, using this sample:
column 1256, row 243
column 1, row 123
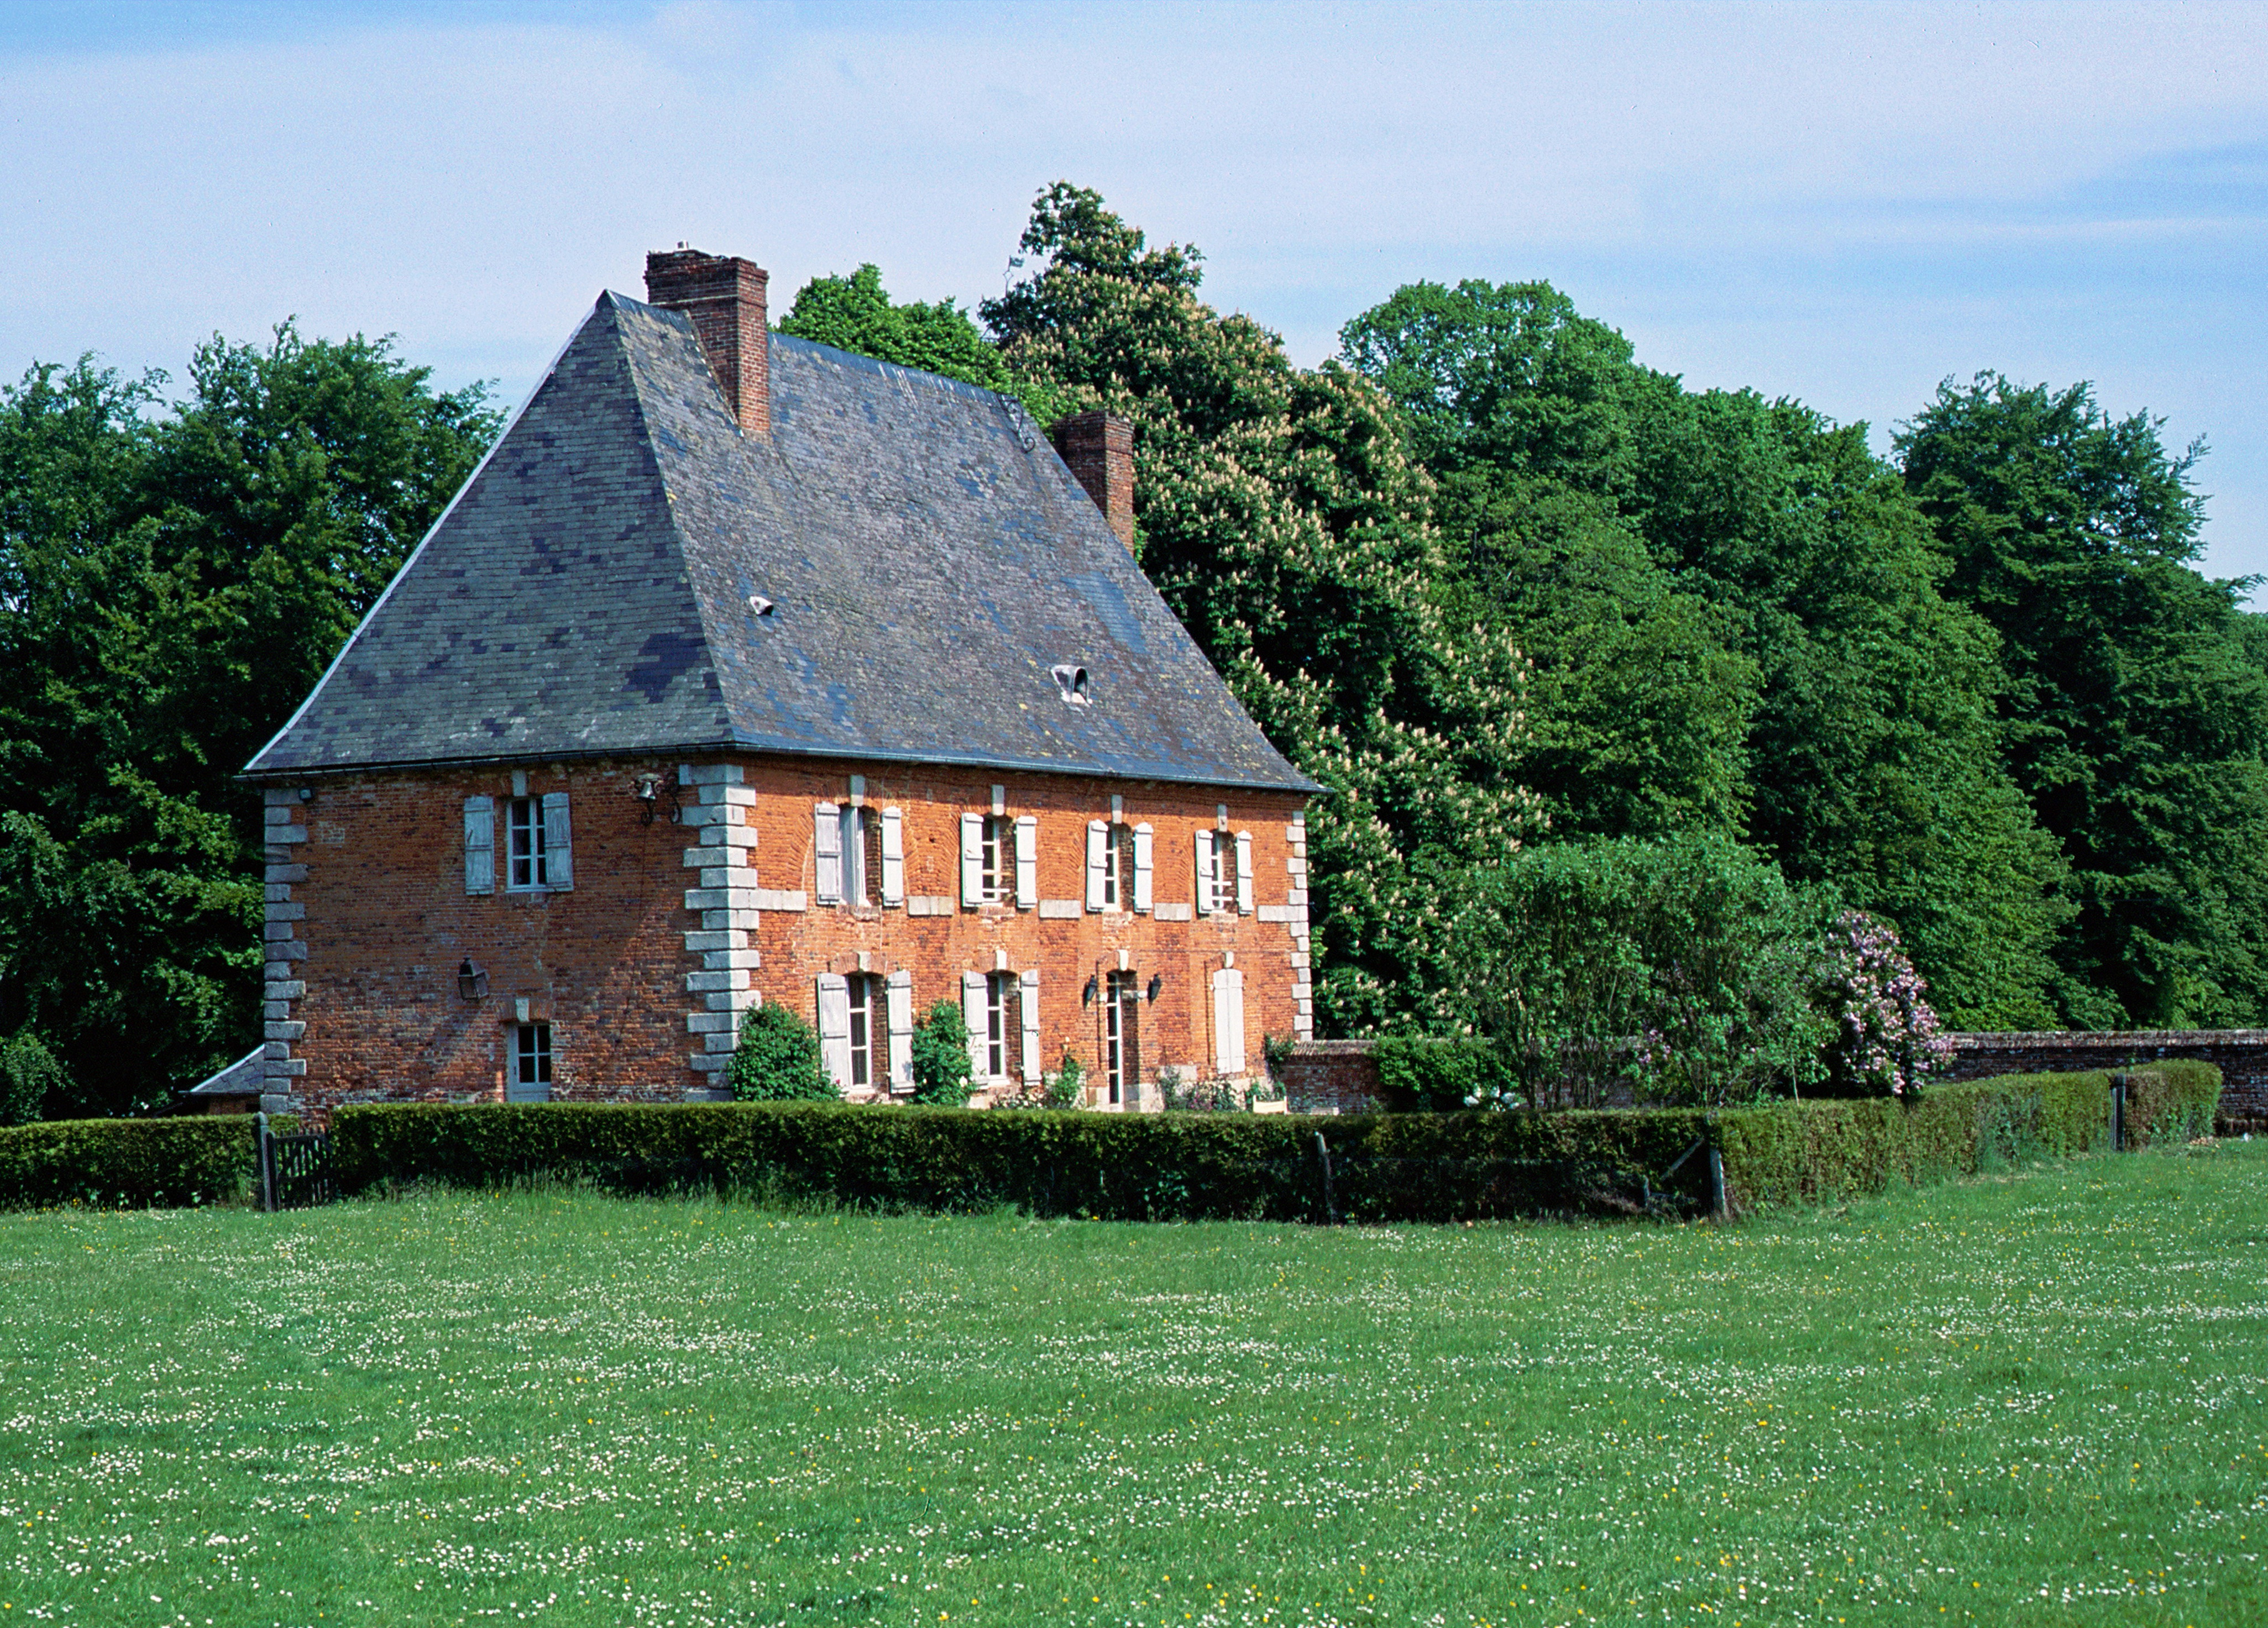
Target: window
column 538, row 857
column 859, row 855
column 1118, row 866
column 999, row 1021
column 997, row 860
column 530, row 867
column 1228, row 1020
column 1121, row 1037
column 865, row 1031
column 867, row 1018
column 531, row 1073
column 1223, row 872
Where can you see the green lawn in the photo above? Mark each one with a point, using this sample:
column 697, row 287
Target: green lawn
column 2031, row 1399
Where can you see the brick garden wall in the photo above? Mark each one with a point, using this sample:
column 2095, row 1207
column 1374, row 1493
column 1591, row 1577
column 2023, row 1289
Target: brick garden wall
column 1330, row 1076
column 2240, row 1054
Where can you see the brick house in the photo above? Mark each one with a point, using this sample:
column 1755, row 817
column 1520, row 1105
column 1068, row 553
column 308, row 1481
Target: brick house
column 744, row 669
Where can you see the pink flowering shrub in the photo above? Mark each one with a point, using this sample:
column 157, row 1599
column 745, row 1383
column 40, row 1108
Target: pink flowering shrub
column 1887, row 1037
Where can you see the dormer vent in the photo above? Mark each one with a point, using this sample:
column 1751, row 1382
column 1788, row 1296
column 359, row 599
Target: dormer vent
column 1072, row 682
column 761, row 606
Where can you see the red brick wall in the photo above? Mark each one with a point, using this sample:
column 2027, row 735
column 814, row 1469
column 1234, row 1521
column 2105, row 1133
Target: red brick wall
column 388, row 920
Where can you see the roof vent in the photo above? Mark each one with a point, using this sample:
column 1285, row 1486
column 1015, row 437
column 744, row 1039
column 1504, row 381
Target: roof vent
column 761, row 606
column 1072, row 682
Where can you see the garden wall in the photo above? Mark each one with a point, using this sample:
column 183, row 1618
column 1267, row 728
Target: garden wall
column 1341, row 1076
column 2240, row 1054
column 1329, row 1076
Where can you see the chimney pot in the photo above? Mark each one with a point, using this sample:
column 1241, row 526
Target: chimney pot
column 724, row 296
column 1098, row 449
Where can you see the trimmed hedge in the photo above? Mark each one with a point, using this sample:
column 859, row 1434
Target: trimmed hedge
column 1819, row 1151
column 1128, row 1167
column 119, row 1163
column 1424, row 1167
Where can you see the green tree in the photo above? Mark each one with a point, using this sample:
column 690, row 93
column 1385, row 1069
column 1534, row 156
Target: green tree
column 1733, row 612
column 171, row 584
column 1680, row 970
column 1281, row 514
column 776, row 1059
column 940, row 1057
column 2136, row 709
column 855, row 313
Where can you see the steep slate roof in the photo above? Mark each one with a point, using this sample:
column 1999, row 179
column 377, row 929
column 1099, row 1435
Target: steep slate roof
column 930, row 557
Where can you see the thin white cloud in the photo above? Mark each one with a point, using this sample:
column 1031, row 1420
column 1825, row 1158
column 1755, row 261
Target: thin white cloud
column 1842, row 203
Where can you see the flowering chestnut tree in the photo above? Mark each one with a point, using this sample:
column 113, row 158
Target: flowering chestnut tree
column 1887, row 1036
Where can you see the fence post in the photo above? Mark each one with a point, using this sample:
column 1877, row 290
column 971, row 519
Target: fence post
column 267, row 1160
column 2119, row 1083
column 1330, row 1207
column 1717, row 1206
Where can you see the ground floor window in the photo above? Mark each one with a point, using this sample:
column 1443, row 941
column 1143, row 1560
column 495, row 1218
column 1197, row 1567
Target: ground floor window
column 867, row 1018
column 531, row 1069
column 1121, row 1039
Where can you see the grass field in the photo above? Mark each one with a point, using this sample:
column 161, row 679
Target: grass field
column 2037, row 1398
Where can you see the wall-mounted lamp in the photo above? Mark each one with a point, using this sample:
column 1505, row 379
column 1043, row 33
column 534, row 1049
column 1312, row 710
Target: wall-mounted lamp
column 1086, row 996
column 472, row 981
column 1156, row 983
column 306, row 794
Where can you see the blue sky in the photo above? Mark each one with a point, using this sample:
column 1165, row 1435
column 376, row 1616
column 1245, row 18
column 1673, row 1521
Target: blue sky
column 1843, row 203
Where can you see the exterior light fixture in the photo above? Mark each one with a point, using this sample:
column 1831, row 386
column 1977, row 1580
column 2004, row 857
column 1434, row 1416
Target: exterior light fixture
column 1156, row 983
column 1086, row 996
column 306, row 794
column 472, row 981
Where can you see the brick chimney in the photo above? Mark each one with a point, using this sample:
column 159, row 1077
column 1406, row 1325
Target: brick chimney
column 1099, row 448
column 724, row 296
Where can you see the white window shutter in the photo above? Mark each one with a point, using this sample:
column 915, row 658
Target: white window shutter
column 1244, row 873
column 1027, row 861
column 1228, row 1020
column 898, row 992
column 835, row 1028
column 972, row 1011
column 894, row 857
column 558, row 843
column 1028, row 988
column 1144, row 859
column 1208, row 894
column 480, row 845
column 1098, row 859
column 972, row 860
column 826, row 886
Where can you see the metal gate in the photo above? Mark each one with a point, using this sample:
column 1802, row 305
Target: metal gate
column 295, row 1169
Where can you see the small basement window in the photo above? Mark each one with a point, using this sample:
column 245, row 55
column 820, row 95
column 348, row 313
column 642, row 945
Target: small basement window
column 1072, row 682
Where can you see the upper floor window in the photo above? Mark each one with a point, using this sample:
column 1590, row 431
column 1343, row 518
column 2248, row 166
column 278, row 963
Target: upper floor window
column 1224, row 873
column 860, row 854
column 538, row 854
column 999, row 859
column 1119, row 862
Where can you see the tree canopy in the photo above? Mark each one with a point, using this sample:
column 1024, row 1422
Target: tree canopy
column 2135, row 708
column 172, row 582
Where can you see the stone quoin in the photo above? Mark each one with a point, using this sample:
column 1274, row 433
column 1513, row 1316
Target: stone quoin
column 747, row 670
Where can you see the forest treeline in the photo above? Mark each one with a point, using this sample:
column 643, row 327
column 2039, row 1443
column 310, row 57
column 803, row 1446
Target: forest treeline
column 1500, row 586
